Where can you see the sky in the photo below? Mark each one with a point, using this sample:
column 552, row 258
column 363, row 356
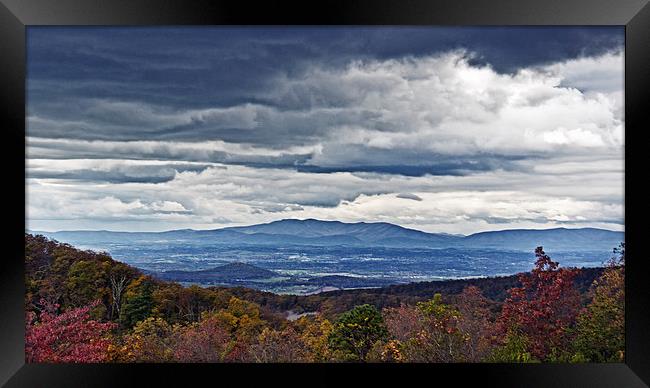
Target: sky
column 441, row 129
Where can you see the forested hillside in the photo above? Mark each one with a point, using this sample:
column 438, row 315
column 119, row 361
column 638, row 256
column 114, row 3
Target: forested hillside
column 82, row 306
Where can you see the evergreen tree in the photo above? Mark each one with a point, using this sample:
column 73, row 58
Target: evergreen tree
column 138, row 307
column 356, row 331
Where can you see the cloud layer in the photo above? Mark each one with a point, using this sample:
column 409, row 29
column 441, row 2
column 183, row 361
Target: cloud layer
column 442, row 141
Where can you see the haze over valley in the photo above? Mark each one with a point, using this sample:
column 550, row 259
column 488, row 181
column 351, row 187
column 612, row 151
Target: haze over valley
column 305, row 256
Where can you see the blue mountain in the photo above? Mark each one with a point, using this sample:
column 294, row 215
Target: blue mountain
column 360, row 234
column 555, row 239
column 365, row 232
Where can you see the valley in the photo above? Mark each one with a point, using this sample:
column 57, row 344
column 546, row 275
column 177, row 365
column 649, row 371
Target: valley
column 306, row 256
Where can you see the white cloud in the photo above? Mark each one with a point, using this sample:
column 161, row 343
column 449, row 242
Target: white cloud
column 602, row 74
column 437, row 104
column 442, row 104
column 576, row 136
column 452, row 210
column 563, row 122
column 242, row 195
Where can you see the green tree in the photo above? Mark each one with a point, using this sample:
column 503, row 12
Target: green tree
column 514, row 348
column 600, row 329
column 139, row 303
column 356, row 331
column 86, row 282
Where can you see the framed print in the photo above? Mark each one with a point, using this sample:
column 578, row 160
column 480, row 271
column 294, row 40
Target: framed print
column 339, row 193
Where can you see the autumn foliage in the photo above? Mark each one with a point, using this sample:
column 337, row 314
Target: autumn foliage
column 542, row 309
column 82, row 307
column 68, row 337
column 600, row 328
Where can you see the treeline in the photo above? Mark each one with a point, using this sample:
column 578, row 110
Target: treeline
column 82, row 306
column 332, row 303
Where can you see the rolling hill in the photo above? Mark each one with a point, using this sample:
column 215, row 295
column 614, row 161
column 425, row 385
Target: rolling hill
column 227, row 272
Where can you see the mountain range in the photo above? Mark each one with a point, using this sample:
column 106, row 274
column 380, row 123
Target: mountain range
column 360, row 234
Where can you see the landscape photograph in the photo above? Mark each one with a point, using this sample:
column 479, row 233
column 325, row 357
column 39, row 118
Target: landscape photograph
column 325, row 195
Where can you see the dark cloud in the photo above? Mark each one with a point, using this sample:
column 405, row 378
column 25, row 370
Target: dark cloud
column 225, row 66
column 454, row 168
column 412, row 162
column 279, row 208
column 354, row 159
column 40, row 148
column 409, row 196
column 275, row 88
column 118, row 174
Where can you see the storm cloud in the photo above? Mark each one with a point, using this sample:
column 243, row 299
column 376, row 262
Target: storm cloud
column 443, row 129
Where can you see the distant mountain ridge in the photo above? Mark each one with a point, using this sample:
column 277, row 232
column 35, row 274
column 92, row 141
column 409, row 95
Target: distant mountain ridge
column 360, row 234
column 362, row 231
column 524, row 238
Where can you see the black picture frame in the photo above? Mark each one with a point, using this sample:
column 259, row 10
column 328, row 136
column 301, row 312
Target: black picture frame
column 15, row 15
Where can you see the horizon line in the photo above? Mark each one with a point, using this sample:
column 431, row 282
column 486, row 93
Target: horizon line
column 315, row 219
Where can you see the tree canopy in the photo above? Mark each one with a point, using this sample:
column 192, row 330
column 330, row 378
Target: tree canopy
column 82, row 306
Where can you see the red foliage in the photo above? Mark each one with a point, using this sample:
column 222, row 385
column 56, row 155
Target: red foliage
column 207, row 341
column 543, row 307
column 68, row 337
column 240, row 352
column 476, row 323
column 402, row 322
